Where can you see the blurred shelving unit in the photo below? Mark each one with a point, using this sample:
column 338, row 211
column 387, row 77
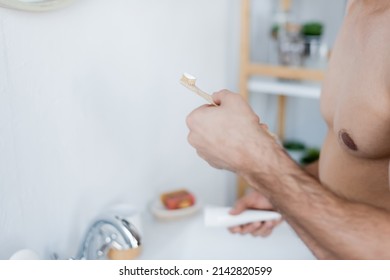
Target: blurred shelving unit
column 255, row 77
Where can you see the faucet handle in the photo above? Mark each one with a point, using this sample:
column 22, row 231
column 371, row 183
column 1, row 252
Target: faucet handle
column 109, row 243
column 128, row 254
column 108, row 234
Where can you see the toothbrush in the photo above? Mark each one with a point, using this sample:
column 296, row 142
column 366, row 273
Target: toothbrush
column 189, row 82
column 220, row 217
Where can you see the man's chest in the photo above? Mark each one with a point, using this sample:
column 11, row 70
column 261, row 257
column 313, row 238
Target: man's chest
column 356, row 93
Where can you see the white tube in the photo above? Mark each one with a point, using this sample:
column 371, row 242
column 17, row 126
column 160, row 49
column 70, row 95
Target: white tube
column 220, row 217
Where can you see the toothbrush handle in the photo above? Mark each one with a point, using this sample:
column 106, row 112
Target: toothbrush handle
column 204, row 95
column 201, row 93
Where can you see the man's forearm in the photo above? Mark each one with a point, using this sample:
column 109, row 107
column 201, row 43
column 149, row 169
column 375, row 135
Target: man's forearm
column 331, row 226
column 317, row 249
column 312, row 169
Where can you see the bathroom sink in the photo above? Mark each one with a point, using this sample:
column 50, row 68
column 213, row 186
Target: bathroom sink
column 189, row 239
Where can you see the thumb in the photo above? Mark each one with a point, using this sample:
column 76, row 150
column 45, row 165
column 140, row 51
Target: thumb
column 239, row 207
column 218, row 97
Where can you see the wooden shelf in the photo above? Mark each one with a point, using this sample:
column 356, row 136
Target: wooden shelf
column 249, row 70
column 286, row 88
column 284, row 72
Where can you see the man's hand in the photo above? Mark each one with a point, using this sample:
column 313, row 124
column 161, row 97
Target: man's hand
column 254, row 200
column 227, row 136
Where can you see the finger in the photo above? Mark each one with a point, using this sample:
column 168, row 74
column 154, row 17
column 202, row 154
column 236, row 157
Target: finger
column 236, row 229
column 252, row 227
column 264, row 126
column 194, row 140
column 262, row 232
column 265, row 230
column 190, row 139
column 220, row 96
column 214, row 165
column 278, row 222
column 192, row 118
column 240, row 206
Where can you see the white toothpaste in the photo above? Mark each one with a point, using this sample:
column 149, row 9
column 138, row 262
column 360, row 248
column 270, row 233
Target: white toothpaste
column 220, row 217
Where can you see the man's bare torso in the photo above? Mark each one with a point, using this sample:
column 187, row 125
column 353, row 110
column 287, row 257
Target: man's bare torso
column 356, row 106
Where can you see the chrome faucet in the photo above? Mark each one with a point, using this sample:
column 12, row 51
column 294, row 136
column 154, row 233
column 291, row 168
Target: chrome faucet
column 109, row 232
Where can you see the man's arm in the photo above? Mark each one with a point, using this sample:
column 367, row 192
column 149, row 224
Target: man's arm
column 313, row 169
column 256, row 200
column 229, row 137
column 346, row 229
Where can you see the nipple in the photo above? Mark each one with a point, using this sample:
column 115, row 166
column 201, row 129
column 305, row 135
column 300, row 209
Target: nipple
column 348, row 141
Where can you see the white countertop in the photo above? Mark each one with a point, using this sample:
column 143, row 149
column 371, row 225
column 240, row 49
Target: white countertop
column 190, row 239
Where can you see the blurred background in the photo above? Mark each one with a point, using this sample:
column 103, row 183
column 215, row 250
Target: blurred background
column 92, row 114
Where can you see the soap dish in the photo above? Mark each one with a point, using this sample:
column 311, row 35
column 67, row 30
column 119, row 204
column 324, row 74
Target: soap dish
column 161, row 213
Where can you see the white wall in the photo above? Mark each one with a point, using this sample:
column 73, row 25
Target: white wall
column 91, row 112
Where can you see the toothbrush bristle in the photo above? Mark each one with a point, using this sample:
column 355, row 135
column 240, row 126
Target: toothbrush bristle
column 188, row 79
